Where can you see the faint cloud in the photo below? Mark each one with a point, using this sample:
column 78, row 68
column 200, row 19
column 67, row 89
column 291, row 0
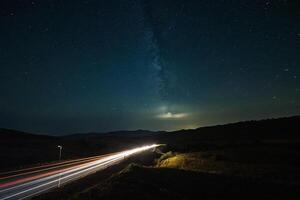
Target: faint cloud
column 170, row 115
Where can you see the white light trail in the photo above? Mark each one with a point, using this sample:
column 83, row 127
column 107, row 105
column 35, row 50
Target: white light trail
column 42, row 184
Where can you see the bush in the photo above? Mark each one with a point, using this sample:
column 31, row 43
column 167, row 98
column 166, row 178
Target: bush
column 165, row 156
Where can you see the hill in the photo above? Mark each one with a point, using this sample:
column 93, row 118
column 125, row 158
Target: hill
column 23, row 149
column 136, row 182
column 244, row 160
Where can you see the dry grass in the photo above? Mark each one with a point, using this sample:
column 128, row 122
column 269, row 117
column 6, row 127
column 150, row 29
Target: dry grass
column 217, row 163
column 193, row 162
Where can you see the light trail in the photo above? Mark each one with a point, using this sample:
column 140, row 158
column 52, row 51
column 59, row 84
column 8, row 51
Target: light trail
column 30, row 183
column 47, row 167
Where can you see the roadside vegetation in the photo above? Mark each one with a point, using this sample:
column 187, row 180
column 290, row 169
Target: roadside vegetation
column 222, row 162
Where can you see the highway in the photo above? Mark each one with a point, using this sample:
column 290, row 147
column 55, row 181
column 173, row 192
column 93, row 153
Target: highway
column 26, row 183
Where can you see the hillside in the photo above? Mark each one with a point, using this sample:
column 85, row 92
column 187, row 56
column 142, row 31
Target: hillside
column 206, row 163
column 23, row 149
column 20, row 149
column 137, row 182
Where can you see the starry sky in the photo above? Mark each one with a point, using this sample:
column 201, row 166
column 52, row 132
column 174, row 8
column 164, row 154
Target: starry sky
column 69, row 66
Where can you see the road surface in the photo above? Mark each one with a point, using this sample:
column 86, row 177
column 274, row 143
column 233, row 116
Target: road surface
column 26, row 183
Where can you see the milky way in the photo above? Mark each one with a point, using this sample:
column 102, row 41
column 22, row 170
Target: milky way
column 153, row 48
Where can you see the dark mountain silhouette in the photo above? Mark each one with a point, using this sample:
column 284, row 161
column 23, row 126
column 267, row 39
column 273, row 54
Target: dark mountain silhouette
column 14, row 134
column 133, row 133
column 22, row 149
column 244, row 160
column 281, row 128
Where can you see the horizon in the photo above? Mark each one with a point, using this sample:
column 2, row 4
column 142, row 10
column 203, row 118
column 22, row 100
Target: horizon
column 136, row 130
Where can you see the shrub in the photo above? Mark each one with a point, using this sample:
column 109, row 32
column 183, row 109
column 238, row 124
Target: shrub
column 165, row 156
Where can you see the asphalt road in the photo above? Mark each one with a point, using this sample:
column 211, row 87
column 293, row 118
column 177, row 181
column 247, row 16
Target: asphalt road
column 26, row 183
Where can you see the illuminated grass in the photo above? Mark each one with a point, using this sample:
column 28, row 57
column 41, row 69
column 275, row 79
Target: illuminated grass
column 192, row 161
column 217, row 163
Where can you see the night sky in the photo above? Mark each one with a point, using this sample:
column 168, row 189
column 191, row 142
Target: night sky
column 69, row 66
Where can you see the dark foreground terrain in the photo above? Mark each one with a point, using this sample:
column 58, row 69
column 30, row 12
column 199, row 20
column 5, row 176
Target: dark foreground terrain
column 161, row 183
column 246, row 160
